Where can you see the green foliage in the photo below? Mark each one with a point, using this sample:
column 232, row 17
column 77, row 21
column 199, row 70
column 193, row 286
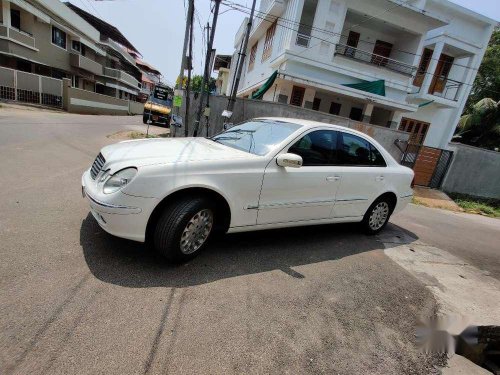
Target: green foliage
column 487, row 82
column 481, row 126
column 196, row 81
column 483, row 206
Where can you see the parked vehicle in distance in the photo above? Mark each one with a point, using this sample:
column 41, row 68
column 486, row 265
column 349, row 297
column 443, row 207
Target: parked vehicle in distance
column 159, row 106
column 264, row 173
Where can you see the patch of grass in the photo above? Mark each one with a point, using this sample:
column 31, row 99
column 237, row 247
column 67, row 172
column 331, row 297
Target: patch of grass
column 141, row 135
column 483, row 206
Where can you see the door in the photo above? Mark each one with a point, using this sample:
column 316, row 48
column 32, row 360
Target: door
column 297, row 96
column 382, row 49
column 305, row 193
column 362, row 173
column 352, row 41
column 441, row 74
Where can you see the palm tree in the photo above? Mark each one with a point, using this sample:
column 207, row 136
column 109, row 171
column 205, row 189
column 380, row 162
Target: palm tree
column 480, row 127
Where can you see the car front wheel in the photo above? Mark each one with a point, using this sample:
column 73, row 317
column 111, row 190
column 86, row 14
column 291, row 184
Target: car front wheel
column 183, row 229
column 377, row 216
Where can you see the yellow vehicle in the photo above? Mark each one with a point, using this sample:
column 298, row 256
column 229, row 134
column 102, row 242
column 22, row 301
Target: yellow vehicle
column 158, row 108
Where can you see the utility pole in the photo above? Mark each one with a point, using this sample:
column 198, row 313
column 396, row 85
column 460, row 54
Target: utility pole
column 189, row 67
column 239, row 68
column 184, row 50
column 206, row 73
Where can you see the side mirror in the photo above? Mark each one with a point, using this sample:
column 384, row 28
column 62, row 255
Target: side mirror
column 289, row 160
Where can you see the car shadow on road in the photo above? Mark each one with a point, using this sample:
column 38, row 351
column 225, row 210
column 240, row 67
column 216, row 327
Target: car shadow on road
column 132, row 264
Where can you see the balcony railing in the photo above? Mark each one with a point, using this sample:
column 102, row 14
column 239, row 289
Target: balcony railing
column 374, row 59
column 121, row 75
column 18, row 35
column 303, row 40
column 85, row 63
column 441, row 86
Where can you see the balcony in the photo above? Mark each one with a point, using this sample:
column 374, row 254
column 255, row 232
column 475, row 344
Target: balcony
column 85, row 63
column 121, row 76
column 441, row 87
column 373, row 59
column 17, row 35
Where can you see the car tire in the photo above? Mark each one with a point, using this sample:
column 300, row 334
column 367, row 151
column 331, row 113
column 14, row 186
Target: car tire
column 145, row 119
column 377, row 216
column 183, row 229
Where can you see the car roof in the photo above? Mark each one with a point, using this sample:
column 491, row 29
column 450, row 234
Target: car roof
column 314, row 124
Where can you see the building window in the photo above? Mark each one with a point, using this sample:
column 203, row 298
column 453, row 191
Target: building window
column 253, row 52
column 335, row 108
column 417, row 130
column 422, row 67
column 356, row 114
column 316, row 104
column 79, row 47
column 268, row 44
column 15, row 18
column 58, row 37
column 297, row 96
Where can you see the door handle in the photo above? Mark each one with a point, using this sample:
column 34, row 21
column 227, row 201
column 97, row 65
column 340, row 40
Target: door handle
column 333, row 178
column 379, row 178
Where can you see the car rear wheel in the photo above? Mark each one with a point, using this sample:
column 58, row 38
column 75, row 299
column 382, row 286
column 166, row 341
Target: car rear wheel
column 183, row 229
column 145, row 118
column 377, row 216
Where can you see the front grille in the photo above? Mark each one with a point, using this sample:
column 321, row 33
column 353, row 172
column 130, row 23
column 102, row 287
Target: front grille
column 97, row 166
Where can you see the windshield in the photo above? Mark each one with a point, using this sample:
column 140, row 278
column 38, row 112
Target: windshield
column 166, row 102
column 257, row 136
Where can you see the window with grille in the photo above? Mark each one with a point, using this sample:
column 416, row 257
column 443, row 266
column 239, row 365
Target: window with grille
column 268, row 44
column 417, row 130
column 253, row 52
column 58, row 37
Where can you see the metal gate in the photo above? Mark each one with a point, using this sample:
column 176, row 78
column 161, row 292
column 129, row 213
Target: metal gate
column 429, row 164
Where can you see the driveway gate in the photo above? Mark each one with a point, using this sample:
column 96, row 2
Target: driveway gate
column 429, row 164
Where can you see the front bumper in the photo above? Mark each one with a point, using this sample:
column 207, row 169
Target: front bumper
column 119, row 214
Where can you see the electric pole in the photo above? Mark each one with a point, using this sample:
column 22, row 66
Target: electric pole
column 189, row 67
column 239, row 68
column 184, row 49
column 206, row 73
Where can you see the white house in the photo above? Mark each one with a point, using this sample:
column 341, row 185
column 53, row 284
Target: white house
column 412, row 62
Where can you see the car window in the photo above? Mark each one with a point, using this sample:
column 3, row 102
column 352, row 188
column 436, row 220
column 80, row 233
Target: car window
column 257, row 136
column 317, row 148
column 355, row 150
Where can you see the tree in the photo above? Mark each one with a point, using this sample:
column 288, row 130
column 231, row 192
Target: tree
column 196, row 81
column 481, row 126
column 487, row 82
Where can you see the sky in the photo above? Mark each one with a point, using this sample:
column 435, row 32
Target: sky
column 156, row 27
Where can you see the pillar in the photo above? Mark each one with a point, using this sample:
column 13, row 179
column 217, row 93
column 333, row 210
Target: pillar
column 395, row 120
column 431, row 69
column 367, row 112
column 6, row 13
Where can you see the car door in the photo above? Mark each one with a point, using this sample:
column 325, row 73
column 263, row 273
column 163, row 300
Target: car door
column 362, row 169
column 305, row 193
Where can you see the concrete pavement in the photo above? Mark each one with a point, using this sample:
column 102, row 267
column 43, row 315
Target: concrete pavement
column 76, row 300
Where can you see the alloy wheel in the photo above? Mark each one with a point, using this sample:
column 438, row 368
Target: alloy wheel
column 196, row 231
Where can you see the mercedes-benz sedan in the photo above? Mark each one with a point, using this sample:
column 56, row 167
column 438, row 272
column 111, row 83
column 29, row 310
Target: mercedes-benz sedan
column 261, row 174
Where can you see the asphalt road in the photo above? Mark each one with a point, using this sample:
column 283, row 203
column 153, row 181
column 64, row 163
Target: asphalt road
column 76, row 300
column 474, row 238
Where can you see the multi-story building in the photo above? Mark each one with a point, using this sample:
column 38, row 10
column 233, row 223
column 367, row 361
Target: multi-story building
column 150, row 75
column 59, row 40
column 222, row 66
column 407, row 65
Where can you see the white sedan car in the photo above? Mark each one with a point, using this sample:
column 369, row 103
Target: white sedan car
column 264, row 173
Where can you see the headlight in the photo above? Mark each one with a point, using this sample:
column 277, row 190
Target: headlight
column 119, row 180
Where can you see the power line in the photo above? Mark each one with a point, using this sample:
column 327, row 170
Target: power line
column 331, row 43
column 276, row 19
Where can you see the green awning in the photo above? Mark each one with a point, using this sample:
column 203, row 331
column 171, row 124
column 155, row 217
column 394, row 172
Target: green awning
column 375, row 87
column 266, row 86
column 426, row 103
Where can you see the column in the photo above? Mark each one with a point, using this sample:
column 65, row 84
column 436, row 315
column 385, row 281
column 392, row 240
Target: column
column 367, row 112
column 431, row 69
column 395, row 120
column 6, row 13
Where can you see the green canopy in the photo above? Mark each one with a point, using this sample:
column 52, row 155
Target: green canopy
column 375, row 87
column 266, row 86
